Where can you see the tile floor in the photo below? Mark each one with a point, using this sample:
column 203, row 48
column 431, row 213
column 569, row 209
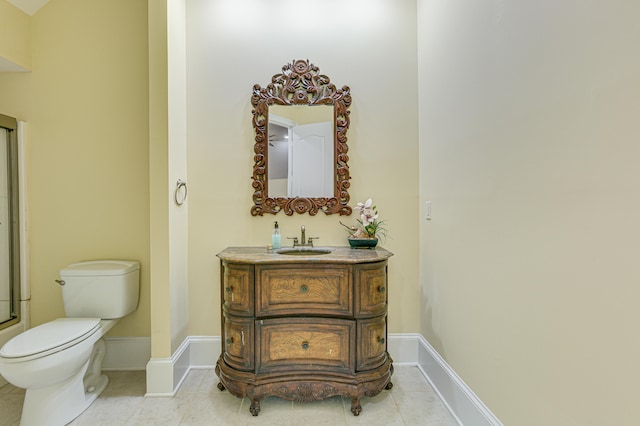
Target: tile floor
column 412, row 401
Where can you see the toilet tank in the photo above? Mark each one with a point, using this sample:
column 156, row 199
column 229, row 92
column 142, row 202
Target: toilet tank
column 104, row 289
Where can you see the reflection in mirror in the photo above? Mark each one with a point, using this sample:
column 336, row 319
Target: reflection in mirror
column 300, row 161
column 300, row 151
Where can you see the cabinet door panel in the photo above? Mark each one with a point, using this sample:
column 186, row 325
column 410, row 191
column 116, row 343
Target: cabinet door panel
column 238, row 289
column 303, row 290
column 305, row 344
column 372, row 343
column 237, row 343
column 371, row 289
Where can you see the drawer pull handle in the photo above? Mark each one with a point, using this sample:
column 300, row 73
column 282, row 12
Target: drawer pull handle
column 381, row 340
column 228, row 289
column 381, row 289
column 304, row 288
column 229, row 340
column 305, row 345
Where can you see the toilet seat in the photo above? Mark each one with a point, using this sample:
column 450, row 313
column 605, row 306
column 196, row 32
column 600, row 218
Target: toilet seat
column 48, row 338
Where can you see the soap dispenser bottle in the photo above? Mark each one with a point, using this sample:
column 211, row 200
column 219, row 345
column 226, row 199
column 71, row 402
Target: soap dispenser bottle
column 275, row 238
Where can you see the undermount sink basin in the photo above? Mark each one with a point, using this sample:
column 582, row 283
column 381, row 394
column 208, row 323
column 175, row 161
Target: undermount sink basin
column 303, row 251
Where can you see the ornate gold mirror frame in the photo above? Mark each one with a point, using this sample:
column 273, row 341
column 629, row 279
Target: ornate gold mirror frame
column 299, row 84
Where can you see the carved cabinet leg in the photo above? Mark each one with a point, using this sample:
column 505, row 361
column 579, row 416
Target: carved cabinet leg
column 356, row 408
column 255, row 407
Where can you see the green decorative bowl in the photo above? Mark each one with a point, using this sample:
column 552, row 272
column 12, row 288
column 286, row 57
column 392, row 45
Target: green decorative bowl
column 363, row 243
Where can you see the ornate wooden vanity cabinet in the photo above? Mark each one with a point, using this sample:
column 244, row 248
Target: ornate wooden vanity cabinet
column 304, row 328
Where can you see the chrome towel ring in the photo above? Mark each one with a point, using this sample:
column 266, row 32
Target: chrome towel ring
column 180, row 194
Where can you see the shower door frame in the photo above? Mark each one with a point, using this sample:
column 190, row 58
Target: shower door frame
column 11, row 126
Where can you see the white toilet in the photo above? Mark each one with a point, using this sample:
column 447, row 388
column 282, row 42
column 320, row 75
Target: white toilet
column 59, row 363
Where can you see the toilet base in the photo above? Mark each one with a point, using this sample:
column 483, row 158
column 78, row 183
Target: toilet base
column 59, row 404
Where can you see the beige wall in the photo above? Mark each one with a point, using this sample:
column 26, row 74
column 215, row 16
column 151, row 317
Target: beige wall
column 527, row 150
column 160, row 256
column 15, row 37
column 529, row 153
column 234, row 45
column 86, row 102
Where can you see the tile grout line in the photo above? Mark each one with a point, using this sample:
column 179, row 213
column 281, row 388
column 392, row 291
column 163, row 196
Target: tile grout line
column 395, row 404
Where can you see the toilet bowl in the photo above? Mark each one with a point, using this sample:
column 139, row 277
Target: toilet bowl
column 59, row 363
column 51, row 362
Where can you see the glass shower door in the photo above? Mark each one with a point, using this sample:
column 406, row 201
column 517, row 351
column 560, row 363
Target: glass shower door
column 5, row 276
column 9, row 224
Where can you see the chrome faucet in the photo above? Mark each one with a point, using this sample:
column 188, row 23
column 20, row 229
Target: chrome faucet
column 304, row 242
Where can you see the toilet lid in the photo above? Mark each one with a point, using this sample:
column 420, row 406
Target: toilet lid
column 50, row 337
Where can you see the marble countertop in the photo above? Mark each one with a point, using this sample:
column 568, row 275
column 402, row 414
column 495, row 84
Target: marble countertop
column 337, row 255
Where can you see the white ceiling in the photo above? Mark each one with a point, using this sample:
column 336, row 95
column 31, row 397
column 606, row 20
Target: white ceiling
column 28, row 6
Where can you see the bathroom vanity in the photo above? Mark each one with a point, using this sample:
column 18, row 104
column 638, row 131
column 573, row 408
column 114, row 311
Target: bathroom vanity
column 304, row 326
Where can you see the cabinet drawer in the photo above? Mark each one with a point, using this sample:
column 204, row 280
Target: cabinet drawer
column 305, row 344
column 237, row 342
column 303, row 290
column 237, row 289
column 371, row 289
column 372, row 343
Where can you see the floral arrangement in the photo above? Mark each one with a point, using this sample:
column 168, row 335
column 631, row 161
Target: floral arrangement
column 368, row 225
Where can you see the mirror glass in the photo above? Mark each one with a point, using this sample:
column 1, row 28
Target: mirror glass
column 300, row 161
column 300, row 151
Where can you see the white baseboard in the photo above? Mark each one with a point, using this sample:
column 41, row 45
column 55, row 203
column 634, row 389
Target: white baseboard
column 454, row 392
column 127, row 353
column 205, row 351
column 403, row 348
column 165, row 375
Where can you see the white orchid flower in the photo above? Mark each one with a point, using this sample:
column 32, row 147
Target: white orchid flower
column 366, row 205
column 369, row 226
